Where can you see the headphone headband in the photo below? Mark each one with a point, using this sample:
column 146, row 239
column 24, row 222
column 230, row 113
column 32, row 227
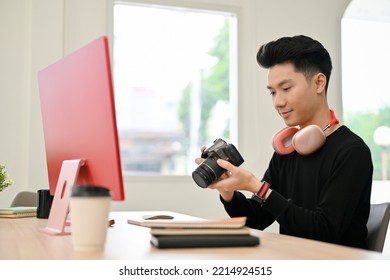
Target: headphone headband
column 333, row 121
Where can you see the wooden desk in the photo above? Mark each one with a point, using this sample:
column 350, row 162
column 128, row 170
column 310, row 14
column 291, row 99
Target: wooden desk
column 20, row 239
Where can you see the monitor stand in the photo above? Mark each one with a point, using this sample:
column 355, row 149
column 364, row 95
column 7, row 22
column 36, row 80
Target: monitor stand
column 57, row 223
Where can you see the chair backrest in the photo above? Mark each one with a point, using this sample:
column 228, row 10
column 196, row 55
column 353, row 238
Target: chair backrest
column 25, row 198
column 377, row 224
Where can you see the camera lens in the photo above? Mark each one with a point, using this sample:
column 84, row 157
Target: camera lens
column 207, row 172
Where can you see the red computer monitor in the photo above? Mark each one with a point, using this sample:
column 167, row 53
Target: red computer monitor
column 79, row 121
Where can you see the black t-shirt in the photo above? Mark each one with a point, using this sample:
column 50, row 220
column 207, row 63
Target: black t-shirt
column 323, row 196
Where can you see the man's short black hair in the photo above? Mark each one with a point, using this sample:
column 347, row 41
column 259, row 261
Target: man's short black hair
column 306, row 54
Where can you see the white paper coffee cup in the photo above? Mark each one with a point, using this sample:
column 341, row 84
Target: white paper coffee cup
column 89, row 211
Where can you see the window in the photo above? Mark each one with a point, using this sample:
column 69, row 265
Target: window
column 365, row 59
column 175, row 82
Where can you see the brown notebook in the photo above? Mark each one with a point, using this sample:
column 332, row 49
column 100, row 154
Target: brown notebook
column 232, row 223
column 200, row 231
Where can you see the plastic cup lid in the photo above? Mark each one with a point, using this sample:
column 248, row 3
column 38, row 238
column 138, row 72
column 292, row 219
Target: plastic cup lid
column 89, row 190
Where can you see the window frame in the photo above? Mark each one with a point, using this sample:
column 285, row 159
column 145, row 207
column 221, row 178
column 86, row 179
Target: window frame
column 248, row 92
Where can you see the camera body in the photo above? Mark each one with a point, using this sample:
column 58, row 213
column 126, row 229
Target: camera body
column 209, row 171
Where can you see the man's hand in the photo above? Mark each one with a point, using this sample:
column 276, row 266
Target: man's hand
column 235, row 178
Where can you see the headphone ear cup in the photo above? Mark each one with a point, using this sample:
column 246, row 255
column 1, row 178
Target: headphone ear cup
column 282, row 140
column 308, row 139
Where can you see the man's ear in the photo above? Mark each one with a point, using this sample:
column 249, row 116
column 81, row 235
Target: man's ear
column 320, row 81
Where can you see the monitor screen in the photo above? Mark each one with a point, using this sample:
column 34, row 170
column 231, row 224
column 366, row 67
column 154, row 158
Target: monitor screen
column 79, row 121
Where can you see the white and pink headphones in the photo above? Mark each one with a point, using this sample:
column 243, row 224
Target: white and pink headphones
column 305, row 141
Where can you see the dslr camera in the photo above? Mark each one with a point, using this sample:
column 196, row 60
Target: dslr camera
column 209, row 171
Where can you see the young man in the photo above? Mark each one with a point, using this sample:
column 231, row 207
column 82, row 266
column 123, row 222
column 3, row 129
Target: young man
column 321, row 194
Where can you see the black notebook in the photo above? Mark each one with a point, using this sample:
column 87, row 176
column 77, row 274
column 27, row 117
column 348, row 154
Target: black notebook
column 194, row 241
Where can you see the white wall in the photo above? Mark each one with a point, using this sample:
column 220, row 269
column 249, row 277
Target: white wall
column 36, row 33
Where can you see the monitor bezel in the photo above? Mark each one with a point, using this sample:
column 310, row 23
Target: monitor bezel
column 79, row 117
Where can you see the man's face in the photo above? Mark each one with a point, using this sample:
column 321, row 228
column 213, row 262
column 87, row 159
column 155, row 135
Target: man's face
column 295, row 98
